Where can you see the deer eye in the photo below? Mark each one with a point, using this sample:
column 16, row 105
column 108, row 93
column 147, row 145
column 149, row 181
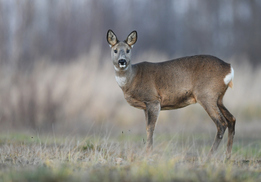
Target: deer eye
column 128, row 50
column 115, row 51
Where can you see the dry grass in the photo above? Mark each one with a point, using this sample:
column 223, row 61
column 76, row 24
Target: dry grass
column 49, row 158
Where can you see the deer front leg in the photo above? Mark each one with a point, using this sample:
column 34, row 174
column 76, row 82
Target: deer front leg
column 151, row 113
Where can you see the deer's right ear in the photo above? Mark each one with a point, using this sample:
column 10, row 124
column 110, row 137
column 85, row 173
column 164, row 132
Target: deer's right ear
column 111, row 38
column 132, row 38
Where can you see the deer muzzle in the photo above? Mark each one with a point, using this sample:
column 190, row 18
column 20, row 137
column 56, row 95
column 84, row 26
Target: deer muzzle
column 122, row 63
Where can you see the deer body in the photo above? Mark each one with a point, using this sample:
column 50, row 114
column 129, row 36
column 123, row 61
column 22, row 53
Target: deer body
column 174, row 84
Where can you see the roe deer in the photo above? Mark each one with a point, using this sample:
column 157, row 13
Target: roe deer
column 174, row 84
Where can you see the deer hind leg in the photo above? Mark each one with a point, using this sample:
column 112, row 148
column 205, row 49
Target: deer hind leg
column 216, row 115
column 231, row 120
column 151, row 113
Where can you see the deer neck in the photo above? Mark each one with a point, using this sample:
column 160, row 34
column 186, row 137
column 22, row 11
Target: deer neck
column 125, row 77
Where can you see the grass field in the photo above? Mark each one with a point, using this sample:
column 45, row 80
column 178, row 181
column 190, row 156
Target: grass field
column 182, row 157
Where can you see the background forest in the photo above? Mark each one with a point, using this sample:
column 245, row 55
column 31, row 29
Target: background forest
column 55, row 65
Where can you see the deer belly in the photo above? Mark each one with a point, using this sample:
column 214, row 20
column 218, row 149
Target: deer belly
column 168, row 103
column 135, row 102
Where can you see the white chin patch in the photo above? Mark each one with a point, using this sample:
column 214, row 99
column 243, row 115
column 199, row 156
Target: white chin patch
column 122, row 66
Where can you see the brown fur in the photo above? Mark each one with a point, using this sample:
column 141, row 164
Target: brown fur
column 175, row 84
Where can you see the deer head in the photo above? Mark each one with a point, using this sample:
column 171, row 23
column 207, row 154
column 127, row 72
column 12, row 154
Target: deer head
column 121, row 51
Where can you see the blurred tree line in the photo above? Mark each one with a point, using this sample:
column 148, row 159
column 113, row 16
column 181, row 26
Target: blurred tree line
column 61, row 30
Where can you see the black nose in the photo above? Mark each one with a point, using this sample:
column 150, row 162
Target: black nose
column 122, row 62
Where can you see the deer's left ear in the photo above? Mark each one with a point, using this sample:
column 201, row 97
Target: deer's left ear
column 132, row 38
column 112, row 38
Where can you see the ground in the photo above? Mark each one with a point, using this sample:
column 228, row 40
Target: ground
column 179, row 157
